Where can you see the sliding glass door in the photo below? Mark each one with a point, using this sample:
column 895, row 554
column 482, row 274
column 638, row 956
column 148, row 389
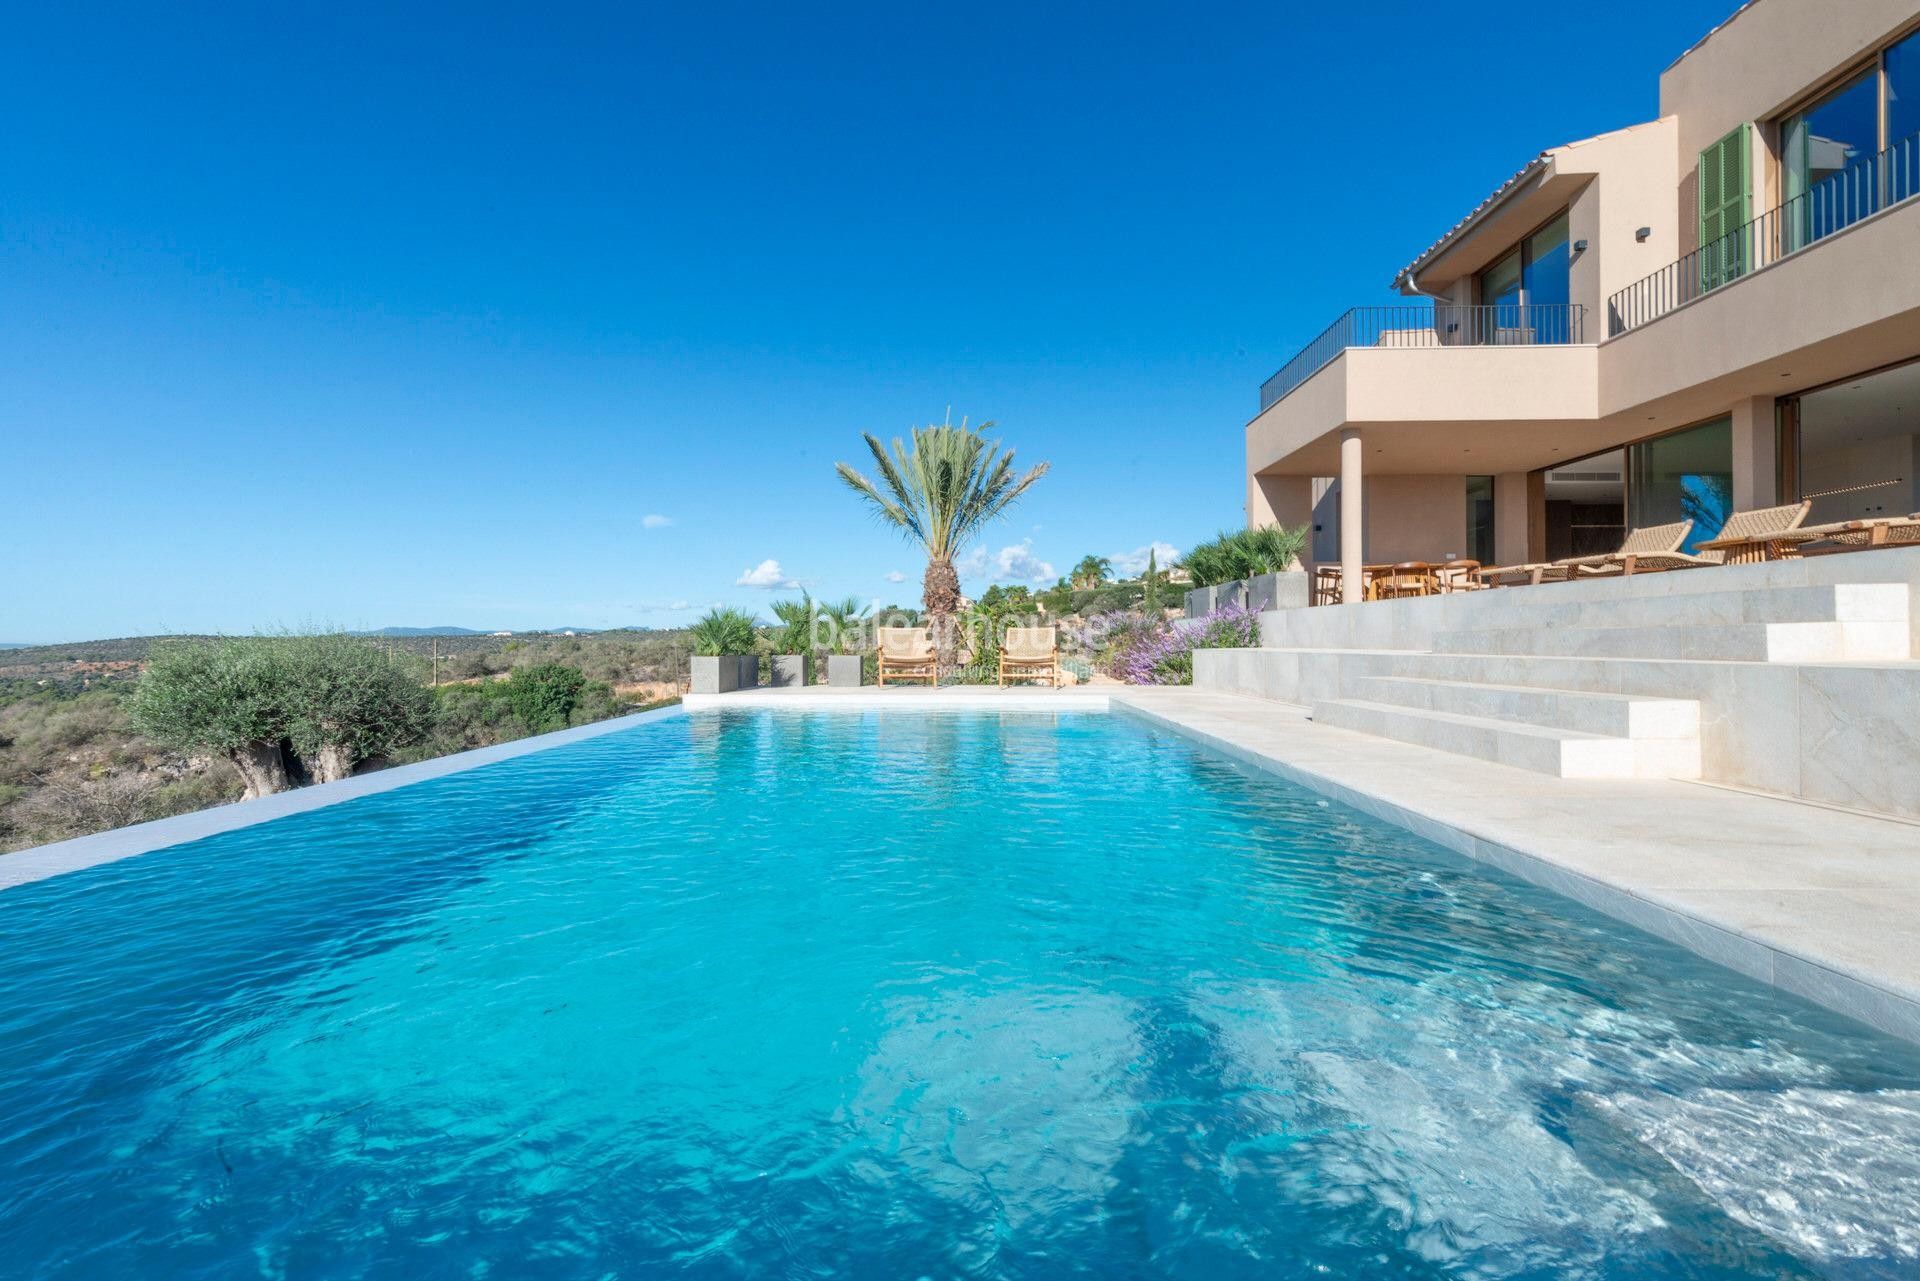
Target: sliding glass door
column 1524, row 296
column 1687, row 475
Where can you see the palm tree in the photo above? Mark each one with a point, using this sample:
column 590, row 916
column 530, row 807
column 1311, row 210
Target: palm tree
column 940, row 492
column 1092, row 571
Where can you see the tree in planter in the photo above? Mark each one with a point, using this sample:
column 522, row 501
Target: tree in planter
column 941, row 493
column 722, row 631
column 799, row 625
column 347, row 702
column 227, row 697
column 846, row 624
column 1244, row 553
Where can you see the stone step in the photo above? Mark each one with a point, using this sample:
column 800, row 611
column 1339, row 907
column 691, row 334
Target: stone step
column 1615, row 715
column 1793, row 642
column 1823, row 603
column 1564, row 753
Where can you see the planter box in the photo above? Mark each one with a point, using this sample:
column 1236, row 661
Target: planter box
column 749, row 671
column 1289, row 590
column 715, row 674
column 789, row 671
column 843, row 671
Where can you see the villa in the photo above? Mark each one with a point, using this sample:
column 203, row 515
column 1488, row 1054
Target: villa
column 1715, row 310
column 1710, row 313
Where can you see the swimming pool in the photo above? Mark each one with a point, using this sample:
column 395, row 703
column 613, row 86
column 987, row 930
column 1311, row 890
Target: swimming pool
column 898, row 995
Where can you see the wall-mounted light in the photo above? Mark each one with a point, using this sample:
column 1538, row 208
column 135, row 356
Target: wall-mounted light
column 1643, row 234
column 1579, row 246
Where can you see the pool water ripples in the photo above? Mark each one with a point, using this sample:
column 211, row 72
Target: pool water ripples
column 898, row 995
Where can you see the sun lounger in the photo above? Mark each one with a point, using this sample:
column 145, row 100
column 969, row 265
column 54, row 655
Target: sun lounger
column 1767, row 533
column 1881, row 531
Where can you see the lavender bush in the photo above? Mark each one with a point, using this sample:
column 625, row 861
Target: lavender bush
column 1142, row 650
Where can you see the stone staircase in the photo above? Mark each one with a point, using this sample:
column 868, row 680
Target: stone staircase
column 1582, row 684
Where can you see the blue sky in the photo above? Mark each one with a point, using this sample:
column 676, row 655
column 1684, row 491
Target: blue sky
column 560, row 315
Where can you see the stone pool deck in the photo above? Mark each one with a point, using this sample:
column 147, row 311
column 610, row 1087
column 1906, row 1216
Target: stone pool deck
column 1815, row 900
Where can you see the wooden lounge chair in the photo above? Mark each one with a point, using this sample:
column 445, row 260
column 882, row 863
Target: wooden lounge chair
column 907, row 653
column 1521, row 575
column 1766, row 533
column 1655, row 547
column 1847, row 535
column 1030, row 653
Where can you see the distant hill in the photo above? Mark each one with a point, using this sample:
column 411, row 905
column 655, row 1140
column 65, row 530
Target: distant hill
column 16, row 644
column 427, row 631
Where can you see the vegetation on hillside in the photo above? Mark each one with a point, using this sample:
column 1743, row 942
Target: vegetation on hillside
column 74, row 760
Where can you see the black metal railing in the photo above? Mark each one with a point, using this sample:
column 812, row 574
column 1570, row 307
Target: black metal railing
column 1441, row 325
column 1831, row 205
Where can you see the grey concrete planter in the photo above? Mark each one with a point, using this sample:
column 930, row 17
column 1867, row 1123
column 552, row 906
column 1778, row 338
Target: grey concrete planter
column 749, row 671
column 843, row 671
column 1287, row 590
column 715, row 674
column 1226, row 594
column 789, row 671
column 1200, row 601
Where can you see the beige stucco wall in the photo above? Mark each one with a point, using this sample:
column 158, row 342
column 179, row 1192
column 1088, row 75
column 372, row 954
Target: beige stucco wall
column 1768, row 57
column 1634, row 174
column 1415, row 518
column 1848, row 304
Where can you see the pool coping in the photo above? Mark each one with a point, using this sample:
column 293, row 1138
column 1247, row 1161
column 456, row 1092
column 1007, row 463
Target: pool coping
column 1528, row 825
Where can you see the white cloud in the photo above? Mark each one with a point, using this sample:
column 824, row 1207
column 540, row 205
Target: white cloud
column 680, row 605
column 1134, row 563
column 766, row 575
column 656, row 521
column 1016, row 563
column 895, row 576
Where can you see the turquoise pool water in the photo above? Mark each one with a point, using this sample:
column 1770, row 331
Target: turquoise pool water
column 898, row 996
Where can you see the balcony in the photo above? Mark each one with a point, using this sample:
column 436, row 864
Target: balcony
column 1832, row 205
column 1441, row 325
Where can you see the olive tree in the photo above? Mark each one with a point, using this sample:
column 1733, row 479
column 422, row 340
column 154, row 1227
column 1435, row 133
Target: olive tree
column 331, row 702
column 348, row 702
column 225, row 696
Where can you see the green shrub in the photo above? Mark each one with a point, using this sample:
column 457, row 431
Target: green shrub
column 544, row 697
column 1244, row 553
column 722, row 631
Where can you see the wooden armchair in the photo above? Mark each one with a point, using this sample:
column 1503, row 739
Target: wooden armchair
column 907, row 653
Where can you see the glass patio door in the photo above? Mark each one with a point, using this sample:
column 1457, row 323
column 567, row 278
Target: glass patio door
column 1687, row 475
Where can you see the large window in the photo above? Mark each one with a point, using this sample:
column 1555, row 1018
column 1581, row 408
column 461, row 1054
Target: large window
column 1853, row 151
column 1686, row 475
column 1854, row 448
column 1527, row 292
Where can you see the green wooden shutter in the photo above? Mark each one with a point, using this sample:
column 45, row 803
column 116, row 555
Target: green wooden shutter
column 1724, row 201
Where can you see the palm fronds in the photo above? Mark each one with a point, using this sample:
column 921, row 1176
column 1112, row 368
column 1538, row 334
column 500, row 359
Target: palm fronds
column 1244, row 553
column 943, row 487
